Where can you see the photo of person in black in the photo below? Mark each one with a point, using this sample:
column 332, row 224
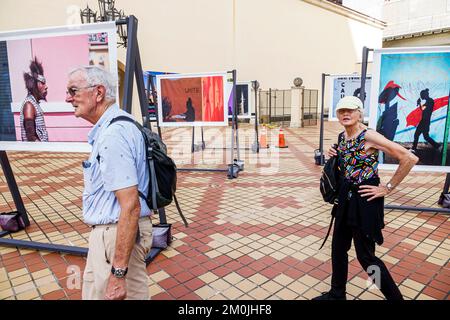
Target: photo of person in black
column 190, row 111
column 189, row 115
column 424, row 124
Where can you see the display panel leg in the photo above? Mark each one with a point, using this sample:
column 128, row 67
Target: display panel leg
column 13, row 188
column 203, row 140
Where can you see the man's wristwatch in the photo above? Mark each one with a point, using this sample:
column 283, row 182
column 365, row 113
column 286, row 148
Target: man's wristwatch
column 389, row 186
column 118, row 272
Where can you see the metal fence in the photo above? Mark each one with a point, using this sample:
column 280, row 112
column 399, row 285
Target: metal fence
column 275, row 107
column 310, row 107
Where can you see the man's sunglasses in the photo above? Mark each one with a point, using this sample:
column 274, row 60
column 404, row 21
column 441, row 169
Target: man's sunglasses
column 73, row 91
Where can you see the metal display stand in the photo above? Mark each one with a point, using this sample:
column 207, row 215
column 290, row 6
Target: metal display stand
column 365, row 56
column 322, row 116
column 133, row 68
column 151, row 86
column 237, row 165
column 255, row 147
column 197, row 147
column 20, row 207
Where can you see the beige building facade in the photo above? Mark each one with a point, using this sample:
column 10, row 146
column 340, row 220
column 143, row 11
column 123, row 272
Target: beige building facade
column 416, row 23
column 272, row 41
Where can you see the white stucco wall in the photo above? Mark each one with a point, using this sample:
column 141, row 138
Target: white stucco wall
column 271, row 41
column 412, row 16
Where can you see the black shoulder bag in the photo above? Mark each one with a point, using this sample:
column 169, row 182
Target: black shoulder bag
column 329, row 185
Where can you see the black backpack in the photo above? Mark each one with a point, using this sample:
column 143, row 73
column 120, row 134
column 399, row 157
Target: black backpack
column 328, row 181
column 162, row 170
column 329, row 186
column 330, row 178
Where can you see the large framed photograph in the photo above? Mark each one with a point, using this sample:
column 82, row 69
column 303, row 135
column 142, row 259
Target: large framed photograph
column 192, row 100
column 347, row 85
column 244, row 98
column 410, row 103
column 34, row 68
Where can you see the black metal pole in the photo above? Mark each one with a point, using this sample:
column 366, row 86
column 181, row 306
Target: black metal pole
column 148, row 85
column 134, row 68
column 148, row 88
column 233, row 108
column 282, row 119
column 120, row 22
column 203, row 140
column 193, row 140
column 447, row 183
column 270, row 105
column 13, row 188
column 235, row 115
column 130, row 66
column 256, row 115
column 4, row 233
column 141, row 88
column 79, row 251
column 424, row 209
column 275, row 98
column 202, row 170
column 155, row 101
column 365, row 57
column 162, row 215
column 322, row 115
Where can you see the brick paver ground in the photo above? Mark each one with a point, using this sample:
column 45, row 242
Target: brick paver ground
column 255, row 237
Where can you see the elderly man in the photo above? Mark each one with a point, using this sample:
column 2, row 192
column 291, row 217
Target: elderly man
column 116, row 169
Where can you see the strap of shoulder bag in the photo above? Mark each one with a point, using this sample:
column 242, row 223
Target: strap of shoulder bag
column 179, row 211
column 155, row 188
column 333, row 215
column 128, row 119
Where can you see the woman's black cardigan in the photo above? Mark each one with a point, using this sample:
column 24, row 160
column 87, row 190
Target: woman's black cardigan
column 368, row 216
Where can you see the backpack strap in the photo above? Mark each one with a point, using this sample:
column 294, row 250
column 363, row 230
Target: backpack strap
column 149, row 158
column 128, row 119
column 340, row 137
column 339, row 162
column 150, row 161
column 333, row 215
column 334, row 210
column 124, row 118
column 155, row 188
column 179, row 211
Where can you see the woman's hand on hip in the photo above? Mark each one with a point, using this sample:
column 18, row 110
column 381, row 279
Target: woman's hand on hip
column 372, row 191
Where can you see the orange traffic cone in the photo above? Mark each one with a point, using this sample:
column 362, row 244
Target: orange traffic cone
column 281, row 140
column 263, row 139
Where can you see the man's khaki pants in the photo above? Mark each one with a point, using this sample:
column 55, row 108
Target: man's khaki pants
column 102, row 244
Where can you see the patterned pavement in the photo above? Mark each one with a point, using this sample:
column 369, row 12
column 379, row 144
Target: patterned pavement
column 255, row 237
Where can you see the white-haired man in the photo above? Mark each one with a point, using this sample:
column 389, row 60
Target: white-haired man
column 122, row 230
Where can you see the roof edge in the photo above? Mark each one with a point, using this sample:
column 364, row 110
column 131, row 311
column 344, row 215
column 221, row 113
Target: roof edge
column 348, row 12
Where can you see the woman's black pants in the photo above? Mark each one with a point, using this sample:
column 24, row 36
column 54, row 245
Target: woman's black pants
column 365, row 253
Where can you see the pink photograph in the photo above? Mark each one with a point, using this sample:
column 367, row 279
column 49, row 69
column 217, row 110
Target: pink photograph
column 33, row 107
